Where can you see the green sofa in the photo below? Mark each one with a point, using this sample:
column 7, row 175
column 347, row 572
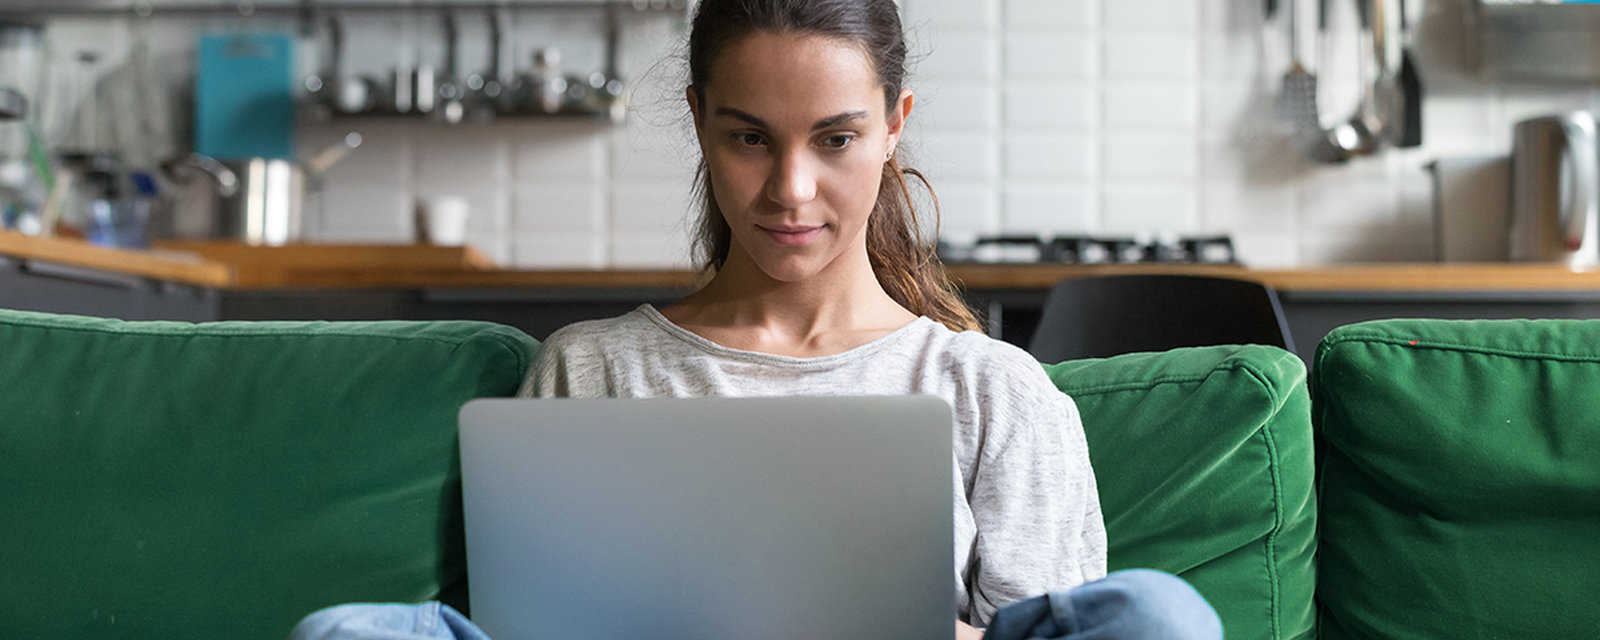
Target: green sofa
column 170, row 480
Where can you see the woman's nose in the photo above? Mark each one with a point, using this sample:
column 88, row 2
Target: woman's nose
column 793, row 181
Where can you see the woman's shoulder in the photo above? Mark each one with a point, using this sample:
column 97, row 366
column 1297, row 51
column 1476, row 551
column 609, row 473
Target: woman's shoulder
column 600, row 334
column 976, row 350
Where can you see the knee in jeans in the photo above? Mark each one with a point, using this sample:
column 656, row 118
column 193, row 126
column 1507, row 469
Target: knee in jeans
column 1166, row 604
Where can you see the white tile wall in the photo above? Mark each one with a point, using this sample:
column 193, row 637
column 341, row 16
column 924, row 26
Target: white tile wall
column 1033, row 116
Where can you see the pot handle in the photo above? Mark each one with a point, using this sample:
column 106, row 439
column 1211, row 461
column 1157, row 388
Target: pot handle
column 227, row 180
column 1579, row 143
column 330, row 155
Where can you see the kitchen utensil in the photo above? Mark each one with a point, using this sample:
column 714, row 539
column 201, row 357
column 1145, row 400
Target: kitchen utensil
column 542, row 88
column 451, row 93
column 1376, row 120
column 264, row 205
column 485, row 89
column 1297, row 100
column 244, row 96
column 1410, row 133
column 1471, row 208
column 1555, row 190
column 194, row 205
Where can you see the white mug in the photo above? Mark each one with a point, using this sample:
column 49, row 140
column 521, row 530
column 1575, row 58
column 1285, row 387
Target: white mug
column 442, row 220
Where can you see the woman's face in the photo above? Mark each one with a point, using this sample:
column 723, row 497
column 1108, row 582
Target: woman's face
column 795, row 134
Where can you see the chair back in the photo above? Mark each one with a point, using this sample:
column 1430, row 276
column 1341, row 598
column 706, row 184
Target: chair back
column 1103, row 316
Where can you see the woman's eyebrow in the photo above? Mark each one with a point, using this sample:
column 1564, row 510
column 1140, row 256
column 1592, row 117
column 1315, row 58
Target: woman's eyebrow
column 824, row 123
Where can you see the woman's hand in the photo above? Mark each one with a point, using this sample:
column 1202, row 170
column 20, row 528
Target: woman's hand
column 965, row 631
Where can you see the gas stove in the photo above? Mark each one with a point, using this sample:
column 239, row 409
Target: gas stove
column 1090, row 250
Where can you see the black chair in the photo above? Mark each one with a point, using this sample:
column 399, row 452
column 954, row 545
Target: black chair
column 1103, row 316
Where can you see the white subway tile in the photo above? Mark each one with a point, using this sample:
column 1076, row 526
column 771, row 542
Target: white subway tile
column 1130, row 208
column 1347, row 202
column 1055, row 16
column 1239, row 107
column 965, row 208
column 1257, row 157
column 1232, row 207
column 355, row 214
column 1140, row 57
column 1049, row 209
column 1062, row 58
column 559, row 151
column 1460, row 125
column 649, row 251
column 1149, row 107
column 1145, row 156
column 466, row 158
column 652, row 210
column 1238, row 58
column 558, row 250
column 1143, row 16
column 383, row 161
column 1032, row 156
column 949, row 15
column 952, row 156
column 1372, row 245
column 1235, row 19
column 558, row 208
column 1267, row 249
column 642, row 151
column 959, row 58
column 957, row 107
column 1071, row 107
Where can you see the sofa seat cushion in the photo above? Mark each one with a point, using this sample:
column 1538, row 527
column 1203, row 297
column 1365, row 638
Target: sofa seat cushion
column 1460, row 479
column 174, row 480
column 1203, row 458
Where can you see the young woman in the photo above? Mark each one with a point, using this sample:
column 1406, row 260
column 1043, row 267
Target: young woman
column 821, row 284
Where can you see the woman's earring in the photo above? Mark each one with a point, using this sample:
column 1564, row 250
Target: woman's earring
column 889, row 156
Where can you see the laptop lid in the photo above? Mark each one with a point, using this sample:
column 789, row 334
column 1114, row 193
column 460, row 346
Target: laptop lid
column 710, row 518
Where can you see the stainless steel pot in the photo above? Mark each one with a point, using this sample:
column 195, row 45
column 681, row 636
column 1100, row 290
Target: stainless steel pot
column 1555, row 190
column 258, row 201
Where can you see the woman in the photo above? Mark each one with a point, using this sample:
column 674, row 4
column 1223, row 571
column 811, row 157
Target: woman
column 820, row 284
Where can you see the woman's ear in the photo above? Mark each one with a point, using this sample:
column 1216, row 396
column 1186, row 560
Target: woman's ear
column 897, row 119
column 694, row 106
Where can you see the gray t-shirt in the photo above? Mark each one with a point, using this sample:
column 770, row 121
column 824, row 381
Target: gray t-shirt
column 1027, row 515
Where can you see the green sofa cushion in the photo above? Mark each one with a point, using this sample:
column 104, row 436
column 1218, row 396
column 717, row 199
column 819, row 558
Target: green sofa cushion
column 1204, row 462
column 1460, row 479
column 172, row 480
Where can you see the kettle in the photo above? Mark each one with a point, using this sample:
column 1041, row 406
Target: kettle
column 257, row 201
column 1555, row 190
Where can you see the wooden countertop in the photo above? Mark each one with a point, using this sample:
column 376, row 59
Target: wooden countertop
column 235, row 266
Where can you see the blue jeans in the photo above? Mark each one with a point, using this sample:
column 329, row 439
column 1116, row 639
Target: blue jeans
column 1125, row 605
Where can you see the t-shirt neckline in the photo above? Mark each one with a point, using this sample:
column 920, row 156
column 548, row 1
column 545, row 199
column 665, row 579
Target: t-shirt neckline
column 701, row 342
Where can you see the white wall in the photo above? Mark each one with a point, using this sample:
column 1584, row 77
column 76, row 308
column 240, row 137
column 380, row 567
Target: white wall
column 1053, row 116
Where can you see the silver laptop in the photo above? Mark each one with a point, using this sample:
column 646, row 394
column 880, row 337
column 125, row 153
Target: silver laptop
column 709, row 518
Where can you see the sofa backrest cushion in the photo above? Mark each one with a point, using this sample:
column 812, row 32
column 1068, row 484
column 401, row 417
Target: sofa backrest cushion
column 1203, row 458
column 173, row 480
column 1459, row 479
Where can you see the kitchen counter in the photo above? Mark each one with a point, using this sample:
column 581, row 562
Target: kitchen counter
column 239, row 267
column 229, row 281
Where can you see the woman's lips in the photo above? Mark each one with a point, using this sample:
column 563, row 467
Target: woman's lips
column 792, row 235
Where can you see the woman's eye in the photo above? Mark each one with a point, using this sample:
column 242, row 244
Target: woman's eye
column 838, row 142
column 748, row 139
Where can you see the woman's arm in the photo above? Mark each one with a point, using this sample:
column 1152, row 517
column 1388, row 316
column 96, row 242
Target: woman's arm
column 1033, row 500
column 965, row 631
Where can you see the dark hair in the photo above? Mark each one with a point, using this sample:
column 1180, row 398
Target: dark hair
column 905, row 266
